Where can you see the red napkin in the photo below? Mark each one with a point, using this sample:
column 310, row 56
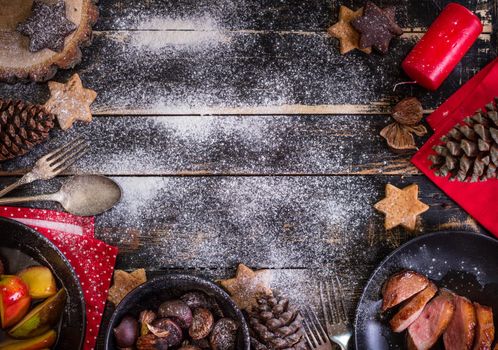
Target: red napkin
column 478, row 199
column 92, row 259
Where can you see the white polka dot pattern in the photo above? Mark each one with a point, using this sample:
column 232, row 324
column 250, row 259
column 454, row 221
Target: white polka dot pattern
column 84, row 253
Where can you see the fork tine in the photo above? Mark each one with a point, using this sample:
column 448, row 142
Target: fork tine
column 66, row 151
column 57, row 150
column 332, row 304
column 323, row 333
column 310, row 343
column 315, row 328
column 324, row 303
column 71, row 157
column 70, row 162
column 340, row 298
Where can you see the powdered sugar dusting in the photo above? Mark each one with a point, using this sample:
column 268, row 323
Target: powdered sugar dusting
column 274, row 222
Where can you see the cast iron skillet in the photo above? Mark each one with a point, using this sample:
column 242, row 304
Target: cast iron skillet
column 21, row 247
column 466, row 263
column 152, row 293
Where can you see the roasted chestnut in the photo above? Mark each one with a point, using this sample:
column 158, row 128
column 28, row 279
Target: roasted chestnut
column 224, row 334
column 151, row 342
column 177, row 310
column 167, row 329
column 146, row 318
column 189, row 347
column 195, row 300
column 202, row 323
column 126, row 333
column 201, row 343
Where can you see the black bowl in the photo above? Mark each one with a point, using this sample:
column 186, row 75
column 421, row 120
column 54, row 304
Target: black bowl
column 464, row 262
column 21, row 247
column 152, row 293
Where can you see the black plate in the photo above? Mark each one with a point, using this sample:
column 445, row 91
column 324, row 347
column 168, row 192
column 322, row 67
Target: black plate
column 22, row 246
column 152, row 293
column 466, row 263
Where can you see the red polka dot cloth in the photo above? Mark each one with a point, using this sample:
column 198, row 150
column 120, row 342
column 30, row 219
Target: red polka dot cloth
column 92, row 260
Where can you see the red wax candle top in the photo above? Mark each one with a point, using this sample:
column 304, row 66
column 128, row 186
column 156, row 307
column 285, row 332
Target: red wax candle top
column 443, row 46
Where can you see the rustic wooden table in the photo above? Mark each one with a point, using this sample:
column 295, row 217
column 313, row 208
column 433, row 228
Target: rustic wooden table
column 240, row 134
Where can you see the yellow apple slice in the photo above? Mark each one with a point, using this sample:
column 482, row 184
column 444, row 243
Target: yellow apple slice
column 40, row 281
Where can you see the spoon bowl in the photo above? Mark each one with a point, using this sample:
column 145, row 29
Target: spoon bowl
column 87, row 195
column 82, row 195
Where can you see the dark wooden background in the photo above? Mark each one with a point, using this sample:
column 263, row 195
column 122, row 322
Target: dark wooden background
column 240, row 134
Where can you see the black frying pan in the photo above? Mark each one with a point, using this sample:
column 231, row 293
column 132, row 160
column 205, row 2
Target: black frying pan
column 466, row 263
column 21, row 247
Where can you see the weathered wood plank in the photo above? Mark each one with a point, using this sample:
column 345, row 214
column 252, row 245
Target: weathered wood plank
column 229, row 145
column 276, row 222
column 196, row 72
column 311, row 15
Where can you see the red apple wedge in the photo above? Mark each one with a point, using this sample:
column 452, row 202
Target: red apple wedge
column 14, row 300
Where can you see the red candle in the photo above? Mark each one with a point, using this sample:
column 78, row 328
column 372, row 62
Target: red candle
column 443, row 46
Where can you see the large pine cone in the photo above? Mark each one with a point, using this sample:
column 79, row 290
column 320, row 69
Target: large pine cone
column 276, row 324
column 470, row 150
column 22, row 126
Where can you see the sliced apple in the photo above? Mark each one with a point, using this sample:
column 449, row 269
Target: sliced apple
column 41, row 318
column 43, row 341
column 14, row 300
column 40, row 281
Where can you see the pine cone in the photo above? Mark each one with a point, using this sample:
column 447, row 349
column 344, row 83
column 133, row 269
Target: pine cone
column 470, row 150
column 276, row 324
column 22, row 126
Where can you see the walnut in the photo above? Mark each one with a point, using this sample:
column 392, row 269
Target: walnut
column 408, row 111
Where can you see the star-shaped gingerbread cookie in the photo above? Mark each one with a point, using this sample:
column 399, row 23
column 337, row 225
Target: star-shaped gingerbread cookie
column 377, row 27
column 70, row 101
column 401, row 206
column 248, row 286
column 47, row 26
column 124, row 283
column 348, row 37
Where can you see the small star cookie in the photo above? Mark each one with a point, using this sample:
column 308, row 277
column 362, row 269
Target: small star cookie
column 47, row 26
column 401, row 206
column 377, row 27
column 348, row 37
column 124, row 283
column 247, row 286
column 70, row 101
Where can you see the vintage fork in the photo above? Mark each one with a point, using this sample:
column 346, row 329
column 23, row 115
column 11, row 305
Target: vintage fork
column 334, row 310
column 314, row 333
column 52, row 164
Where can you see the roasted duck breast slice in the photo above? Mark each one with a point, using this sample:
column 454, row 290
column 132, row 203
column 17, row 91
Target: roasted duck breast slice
column 459, row 334
column 432, row 322
column 485, row 328
column 412, row 309
column 402, row 286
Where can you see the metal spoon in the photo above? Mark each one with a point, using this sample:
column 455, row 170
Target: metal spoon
column 83, row 195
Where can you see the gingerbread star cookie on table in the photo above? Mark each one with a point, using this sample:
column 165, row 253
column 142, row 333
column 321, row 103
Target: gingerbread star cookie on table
column 70, row 101
column 125, row 282
column 47, row 26
column 247, row 286
column 401, row 206
column 348, row 37
column 377, row 27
